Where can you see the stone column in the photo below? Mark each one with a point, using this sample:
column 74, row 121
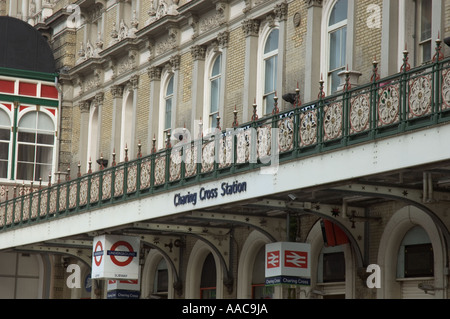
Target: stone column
column 198, row 77
column 251, row 30
column 117, row 94
column 154, row 73
column 84, row 131
column 312, row 45
column 132, row 149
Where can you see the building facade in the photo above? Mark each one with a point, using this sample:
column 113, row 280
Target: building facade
column 172, row 98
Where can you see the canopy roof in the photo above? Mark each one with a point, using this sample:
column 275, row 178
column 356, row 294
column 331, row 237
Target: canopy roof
column 23, row 47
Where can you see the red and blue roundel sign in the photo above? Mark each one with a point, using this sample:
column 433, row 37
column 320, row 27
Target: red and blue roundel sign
column 115, row 257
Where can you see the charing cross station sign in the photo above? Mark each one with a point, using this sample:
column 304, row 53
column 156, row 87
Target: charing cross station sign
column 226, row 189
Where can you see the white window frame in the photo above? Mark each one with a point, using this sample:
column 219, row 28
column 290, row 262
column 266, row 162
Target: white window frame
column 21, row 114
column 165, row 79
column 9, row 113
column 264, row 35
column 92, row 149
column 210, row 60
column 325, row 41
column 421, row 43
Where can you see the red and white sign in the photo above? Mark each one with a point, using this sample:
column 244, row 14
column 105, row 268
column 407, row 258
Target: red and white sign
column 132, row 284
column 288, row 259
column 273, row 259
column 295, row 259
column 115, row 257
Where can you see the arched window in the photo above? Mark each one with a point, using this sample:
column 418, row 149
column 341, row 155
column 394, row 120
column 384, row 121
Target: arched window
column 35, row 146
column 423, row 27
column 337, row 43
column 161, row 282
column 127, row 124
column 214, row 90
column 259, row 289
column 208, row 279
column 270, row 68
column 93, row 134
column 5, row 142
column 415, row 256
column 168, row 103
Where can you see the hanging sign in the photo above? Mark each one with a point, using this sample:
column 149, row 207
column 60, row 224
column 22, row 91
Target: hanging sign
column 115, row 257
column 288, row 263
column 123, row 289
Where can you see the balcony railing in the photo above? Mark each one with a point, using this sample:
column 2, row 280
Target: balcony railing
column 409, row 100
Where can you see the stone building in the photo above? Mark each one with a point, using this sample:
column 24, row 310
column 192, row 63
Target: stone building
column 171, row 114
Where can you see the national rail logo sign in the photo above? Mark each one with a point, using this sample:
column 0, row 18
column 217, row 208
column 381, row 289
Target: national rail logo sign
column 115, row 257
column 288, row 260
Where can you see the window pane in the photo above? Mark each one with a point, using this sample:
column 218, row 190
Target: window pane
column 272, row 41
column 216, row 70
column 215, row 87
column 28, row 120
column 339, row 12
column 4, row 119
column 25, row 171
column 425, row 18
column 169, row 90
column 419, row 260
column 163, row 280
column 26, row 137
column 338, row 41
column 45, row 122
column 335, row 80
column 3, row 169
column 168, row 117
column 44, row 154
column 208, row 277
column 270, row 74
column 213, row 120
column 42, row 171
column 4, row 151
column 5, row 134
column 45, row 139
column 26, row 153
column 333, row 267
column 270, row 103
column 426, row 51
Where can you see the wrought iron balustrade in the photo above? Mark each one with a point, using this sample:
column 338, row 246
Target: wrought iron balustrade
column 409, row 100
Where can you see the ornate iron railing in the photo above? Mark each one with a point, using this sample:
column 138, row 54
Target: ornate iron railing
column 408, row 100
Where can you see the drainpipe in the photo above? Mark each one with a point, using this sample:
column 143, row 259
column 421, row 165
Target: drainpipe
column 427, row 187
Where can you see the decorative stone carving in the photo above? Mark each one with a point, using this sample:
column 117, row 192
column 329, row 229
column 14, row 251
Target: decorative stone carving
column 193, row 22
column 250, row 27
column 160, row 8
column 116, row 91
column 154, row 73
column 198, row 52
column 281, row 11
column 84, row 106
column 223, row 38
column 128, row 64
column 134, row 81
column 175, row 61
column 169, row 43
column 313, row 3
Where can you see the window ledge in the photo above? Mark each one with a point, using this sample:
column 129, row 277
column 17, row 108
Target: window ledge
column 414, row 278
